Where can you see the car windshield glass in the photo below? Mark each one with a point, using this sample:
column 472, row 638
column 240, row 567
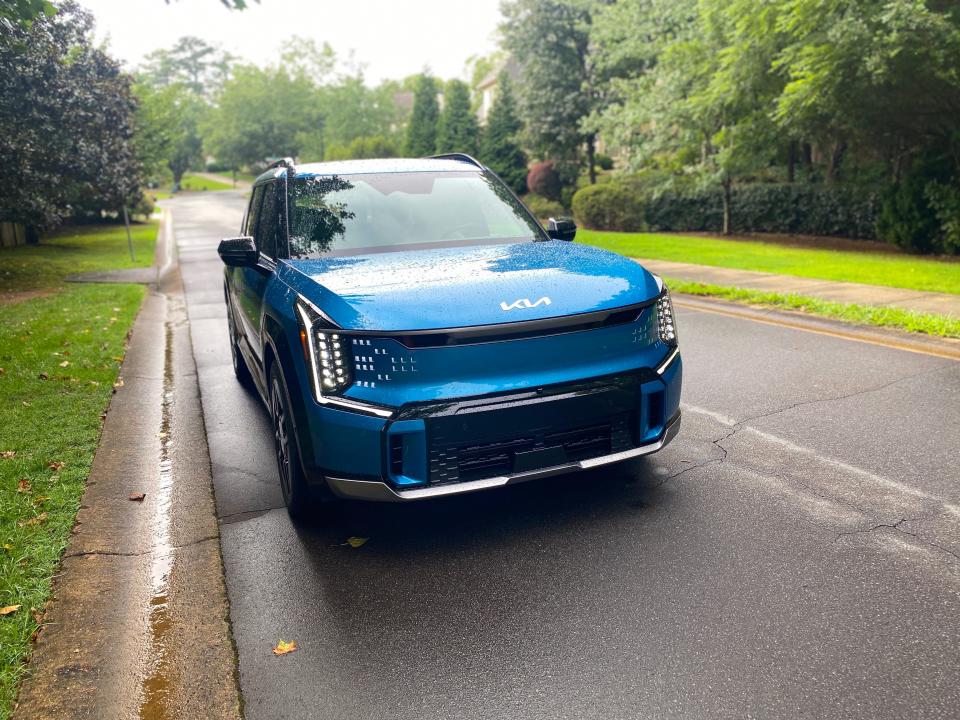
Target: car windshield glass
column 380, row 212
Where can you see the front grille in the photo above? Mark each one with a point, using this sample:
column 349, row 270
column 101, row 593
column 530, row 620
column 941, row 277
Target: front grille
column 476, row 461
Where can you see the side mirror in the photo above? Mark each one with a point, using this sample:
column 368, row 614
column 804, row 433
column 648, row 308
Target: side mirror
column 562, row 229
column 238, row 251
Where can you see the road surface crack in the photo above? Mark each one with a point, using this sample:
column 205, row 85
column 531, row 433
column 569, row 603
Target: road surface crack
column 896, row 527
column 140, row 553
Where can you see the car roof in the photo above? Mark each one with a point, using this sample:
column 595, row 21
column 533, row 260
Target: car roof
column 362, row 167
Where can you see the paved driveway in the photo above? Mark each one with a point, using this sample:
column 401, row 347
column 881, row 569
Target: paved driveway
column 795, row 553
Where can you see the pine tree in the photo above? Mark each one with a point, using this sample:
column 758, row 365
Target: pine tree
column 422, row 129
column 499, row 149
column 458, row 130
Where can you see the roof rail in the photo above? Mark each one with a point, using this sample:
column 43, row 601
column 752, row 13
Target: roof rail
column 286, row 162
column 462, row 157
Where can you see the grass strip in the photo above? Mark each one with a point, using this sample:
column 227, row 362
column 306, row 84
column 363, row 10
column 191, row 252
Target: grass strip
column 194, row 183
column 60, row 357
column 930, row 324
column 887, row 269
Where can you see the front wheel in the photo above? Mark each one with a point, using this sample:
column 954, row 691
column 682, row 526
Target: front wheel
column 293, row 484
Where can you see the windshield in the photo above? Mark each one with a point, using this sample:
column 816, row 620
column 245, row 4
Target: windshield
column 380, row 212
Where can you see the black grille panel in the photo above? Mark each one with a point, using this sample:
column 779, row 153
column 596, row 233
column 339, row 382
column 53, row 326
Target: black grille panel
column 476, row 461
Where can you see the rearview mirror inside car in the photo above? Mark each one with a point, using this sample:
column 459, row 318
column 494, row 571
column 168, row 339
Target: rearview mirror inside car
column 238, row 251
column 561, row 229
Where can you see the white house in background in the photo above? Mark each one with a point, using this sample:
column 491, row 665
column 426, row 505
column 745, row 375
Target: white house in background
column 487, row 88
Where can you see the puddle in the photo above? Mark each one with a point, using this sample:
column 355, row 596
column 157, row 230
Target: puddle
column 158, row 686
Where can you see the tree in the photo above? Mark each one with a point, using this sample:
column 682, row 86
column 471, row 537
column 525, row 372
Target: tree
column 24, row 12
column 262, row 113
column 560, row 85
column 422, row 128
column 66, row 123
column 457, row 130
column 499, row 148
column 191, row 62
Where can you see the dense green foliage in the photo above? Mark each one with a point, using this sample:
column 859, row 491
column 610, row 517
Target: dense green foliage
column 500, row 146
column 422, row 129
column 457, row 129
column 66, row 123
column 543, row 208
column 609, row 206
column 376, row 146
column 559, row 85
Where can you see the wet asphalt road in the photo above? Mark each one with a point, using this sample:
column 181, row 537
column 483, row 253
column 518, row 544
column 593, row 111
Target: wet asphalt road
column 795, row 553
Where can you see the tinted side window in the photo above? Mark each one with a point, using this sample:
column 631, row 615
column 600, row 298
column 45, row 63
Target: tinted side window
column 253, row 212
column 267, row 226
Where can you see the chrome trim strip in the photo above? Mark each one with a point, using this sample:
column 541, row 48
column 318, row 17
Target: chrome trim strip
column 662, row 368
column 379, row 491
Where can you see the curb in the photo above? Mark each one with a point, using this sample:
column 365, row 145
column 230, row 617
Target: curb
column 138, row 622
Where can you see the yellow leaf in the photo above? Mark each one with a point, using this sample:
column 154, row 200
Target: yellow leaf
column 282, row 647
column 7, row 546
column 356, row 542
column 65, row 363
column 9, row 609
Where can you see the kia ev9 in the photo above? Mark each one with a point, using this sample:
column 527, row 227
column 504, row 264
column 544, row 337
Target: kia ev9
column 415, row 332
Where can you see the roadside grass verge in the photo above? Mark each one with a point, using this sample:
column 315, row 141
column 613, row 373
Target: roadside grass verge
column 194, row 183
column 930, row 324
column 59, row 359
column 887, row 269
column 85, row 248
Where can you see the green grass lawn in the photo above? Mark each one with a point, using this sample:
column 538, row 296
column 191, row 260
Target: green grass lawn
column 73, row 250
column 59, row 359
column 195, row 182
column 891, row 270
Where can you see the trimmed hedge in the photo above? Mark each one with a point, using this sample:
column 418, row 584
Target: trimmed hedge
column 795, row 209
column 609, row 206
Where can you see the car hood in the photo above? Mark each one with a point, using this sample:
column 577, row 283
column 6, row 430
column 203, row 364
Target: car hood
column 468, row 286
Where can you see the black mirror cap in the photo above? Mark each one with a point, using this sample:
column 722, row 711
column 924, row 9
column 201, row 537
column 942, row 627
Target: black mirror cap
column 562, row 229
column 238, row 251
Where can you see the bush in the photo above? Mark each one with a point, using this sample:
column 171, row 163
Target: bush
column 543, row 208
column 793, row 209
column 604, row 162
column 922, row 212
column 544, row 180
column 374, row 146
column 615, row 205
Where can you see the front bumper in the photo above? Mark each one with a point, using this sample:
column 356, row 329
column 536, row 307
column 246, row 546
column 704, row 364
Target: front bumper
column 439, row 448
column 378, row 490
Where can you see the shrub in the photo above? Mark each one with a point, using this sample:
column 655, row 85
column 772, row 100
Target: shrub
column 543, row 208
column 921, row 212
column 544, row 180
column 604, row 162
column 615, row 205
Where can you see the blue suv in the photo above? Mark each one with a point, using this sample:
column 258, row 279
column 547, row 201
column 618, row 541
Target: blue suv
column 415, row 332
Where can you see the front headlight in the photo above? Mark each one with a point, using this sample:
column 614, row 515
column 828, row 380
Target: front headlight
column 666, row 322
column 323, row 347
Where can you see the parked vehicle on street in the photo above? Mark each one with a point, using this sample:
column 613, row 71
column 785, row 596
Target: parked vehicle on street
column 415, row 332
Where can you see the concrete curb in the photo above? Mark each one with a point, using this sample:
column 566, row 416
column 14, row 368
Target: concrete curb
column 138, row 625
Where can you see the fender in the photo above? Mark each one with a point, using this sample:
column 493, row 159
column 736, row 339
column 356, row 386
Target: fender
column 275, row 343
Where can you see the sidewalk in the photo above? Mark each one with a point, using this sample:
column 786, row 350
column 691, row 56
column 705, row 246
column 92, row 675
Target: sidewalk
column 843, row 292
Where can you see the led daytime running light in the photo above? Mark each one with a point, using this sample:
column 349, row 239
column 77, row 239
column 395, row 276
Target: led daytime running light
column 666, row 323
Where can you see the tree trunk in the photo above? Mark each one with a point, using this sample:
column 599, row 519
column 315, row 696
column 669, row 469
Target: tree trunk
column 32, row 236
column 836, row 157
column 727, row 184
column 792, row 152
column 591, row 156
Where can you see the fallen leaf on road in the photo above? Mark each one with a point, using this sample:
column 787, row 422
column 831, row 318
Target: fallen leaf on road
column 137, row 497
column 56, row 465
column 65, row 363
column 9, row 609
column 23, row 486
column 282, row 647
column 355, row 542
column 118, row 383
column 7, row 454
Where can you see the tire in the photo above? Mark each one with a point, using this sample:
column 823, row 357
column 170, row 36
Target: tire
column 240, row 368
column 293, row 483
